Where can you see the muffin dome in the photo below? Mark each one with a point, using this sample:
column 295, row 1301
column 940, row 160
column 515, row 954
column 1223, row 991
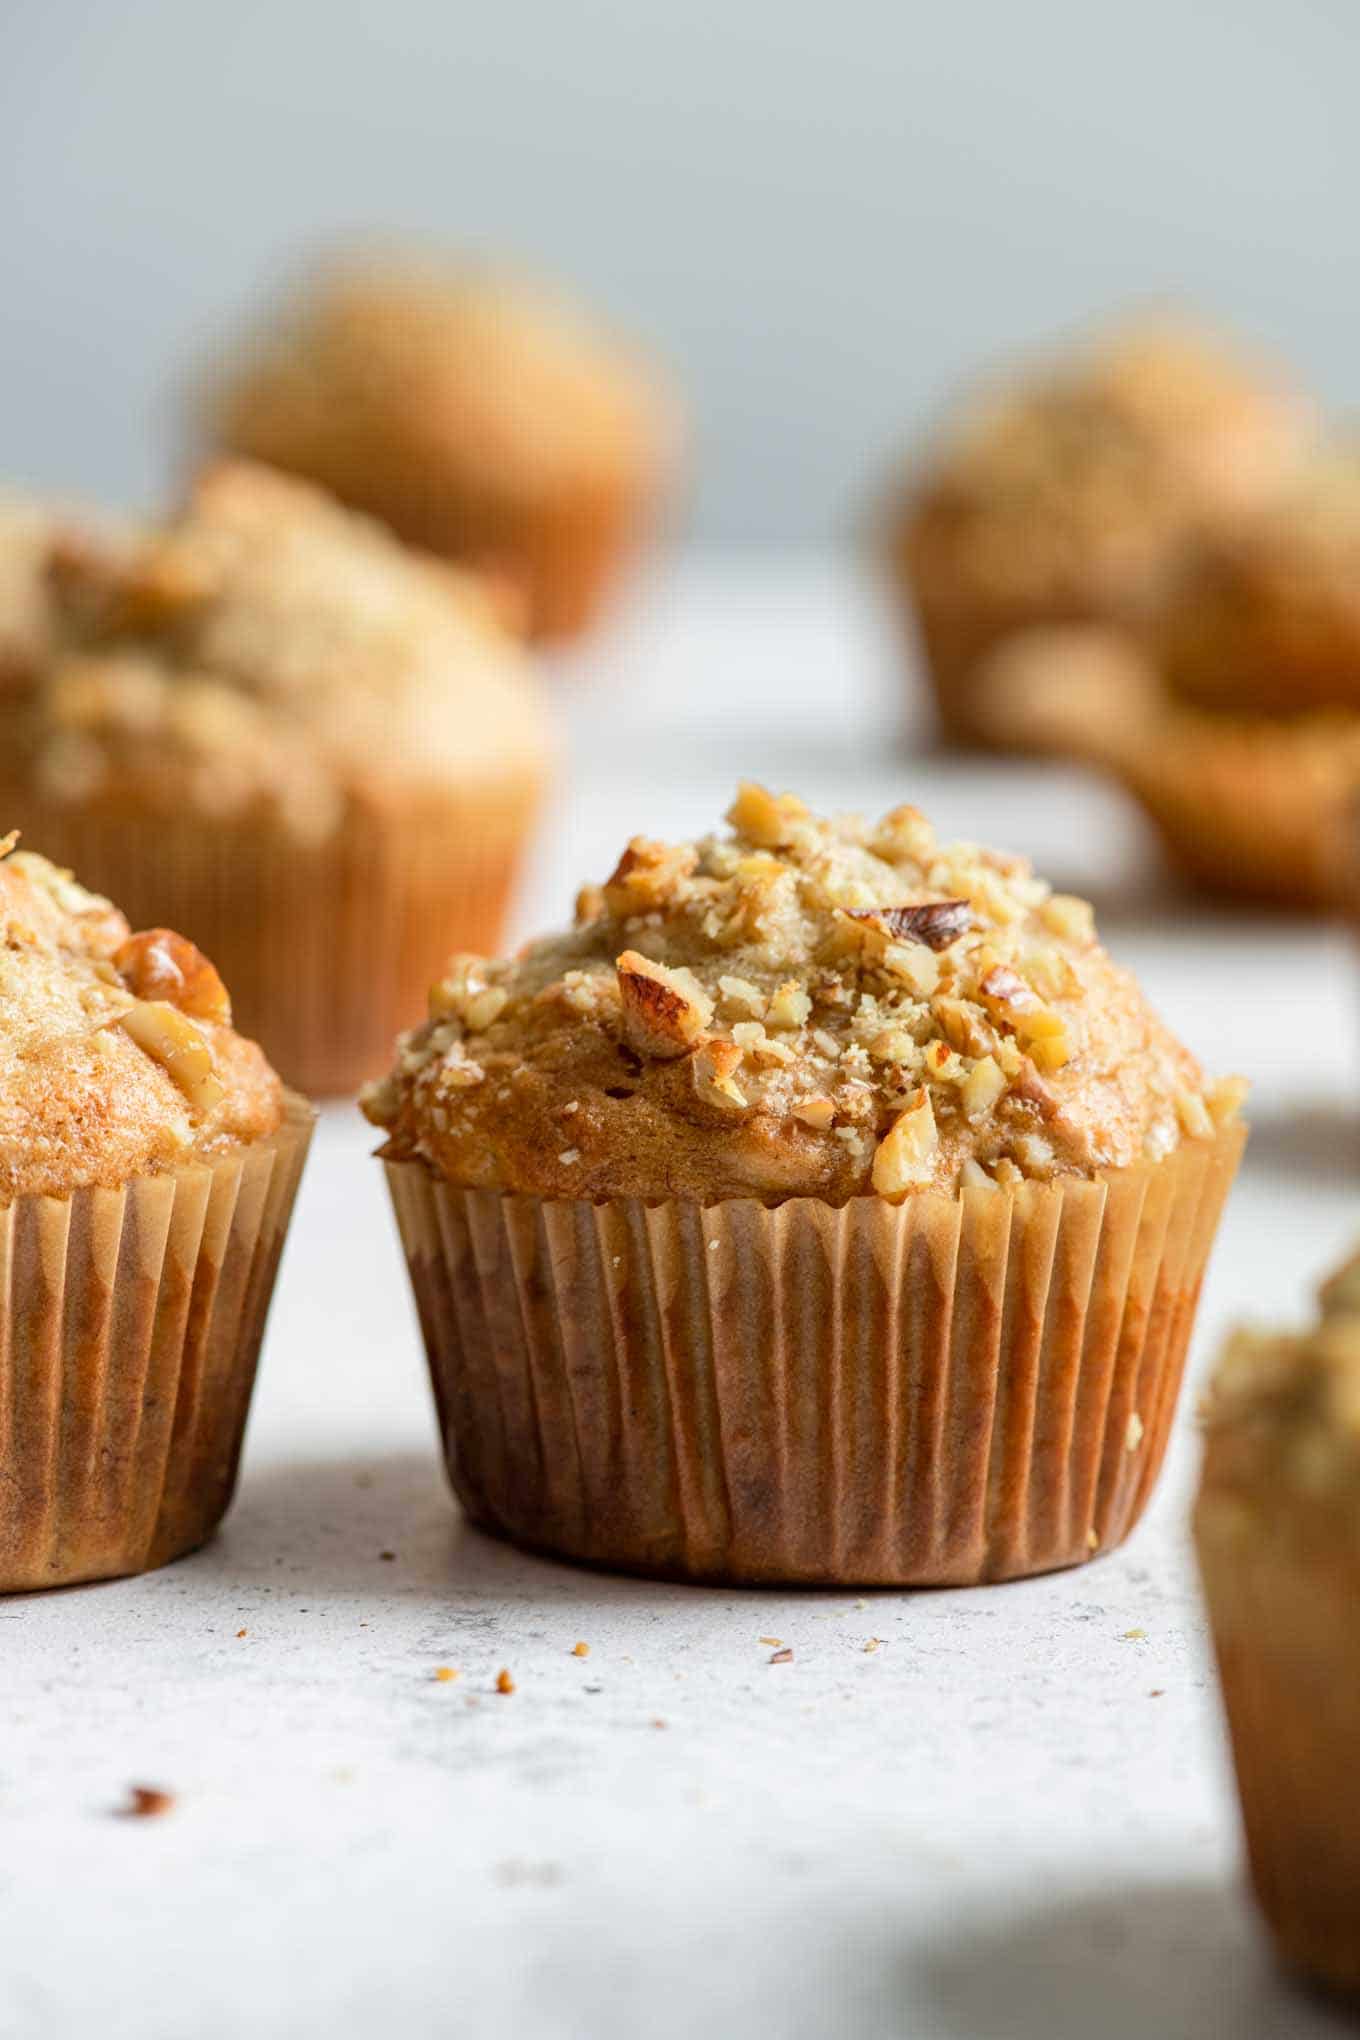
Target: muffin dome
column 1069, row 494
column 479, row 415
column 266, row 652
column 801, row 1008
column 117, row 1052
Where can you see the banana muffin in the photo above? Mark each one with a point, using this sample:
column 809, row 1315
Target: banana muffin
column 148, row 1161
column 270, row 722
column 826, row 1205
column 1277, row 1526
column 479, row 415
column 1069, row 493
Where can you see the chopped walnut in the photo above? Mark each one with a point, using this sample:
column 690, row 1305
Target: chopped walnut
column 646, row 876
column 904, row 1156
column 771, row 820
column 162, row 1032
column 714, row 1075
column 664, row 1011
column 159, row 964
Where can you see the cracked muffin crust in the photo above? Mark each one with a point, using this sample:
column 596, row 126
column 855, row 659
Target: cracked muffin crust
column 117, row 1052
column 1070, row 492
column 476, row 414
column 800, row 1008
column 266, row 653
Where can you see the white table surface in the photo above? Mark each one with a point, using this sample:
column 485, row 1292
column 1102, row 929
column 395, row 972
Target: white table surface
column 1012, row 1817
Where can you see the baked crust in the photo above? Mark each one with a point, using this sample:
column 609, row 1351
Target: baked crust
column 801, row 1008
column 117, row 1053
column 267, row 653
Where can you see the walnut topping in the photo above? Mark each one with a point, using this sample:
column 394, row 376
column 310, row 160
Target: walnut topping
column 936, row 923
column 904, row 1155
column 158, row 964
column 771, row 820
column 1070, row 917
column 983, row 1085
column 161, row 1031
column 790, row 1006
column 664, row 1011
column 1018, row 1006
column 817, row 1112
column 646, row 876
column 714, row 1075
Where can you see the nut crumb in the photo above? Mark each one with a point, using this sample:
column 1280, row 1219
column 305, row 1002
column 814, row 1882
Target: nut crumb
column 146, row 1802
column 242, row 1632
column 782, row 1657
column 445, row 1674
column 1092, row 1541
column 771, row 1642
column 1133, row 1434
column 1135, row 1635
column 580, row 1650
column 388, row 1555
column 504, row 1682
column 1156, row 1692
column 873, row 1643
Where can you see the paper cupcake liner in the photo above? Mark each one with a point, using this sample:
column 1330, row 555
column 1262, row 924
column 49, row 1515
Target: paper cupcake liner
column 948, row 1390
column 130, row 1325
column 328, row 950
column 1283, row 1617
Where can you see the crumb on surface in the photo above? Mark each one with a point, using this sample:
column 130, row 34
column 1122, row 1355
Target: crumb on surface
column 774, row 1642
column 580, row 1650
column 444, row 1674
column 782, row 1657
column 146, row 1802
column 242, row 1632
column 1135, row 1636
column 504, row 1682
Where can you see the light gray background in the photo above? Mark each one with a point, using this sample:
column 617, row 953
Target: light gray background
column 821, row 213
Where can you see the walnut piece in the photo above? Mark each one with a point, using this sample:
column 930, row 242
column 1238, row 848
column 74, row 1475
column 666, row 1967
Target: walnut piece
column 646, row 876
column 936, row 923
column 714, row 1076
column 665, row 1012
column 768, row 819
column 161, row 1031
column 158, row 964
column 904, row 1155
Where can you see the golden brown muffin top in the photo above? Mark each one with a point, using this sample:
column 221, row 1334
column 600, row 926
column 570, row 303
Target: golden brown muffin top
column 1079, row 474
column 515, row 388
column 269, row 647
column 802, row 1007
column 1283, row 1409
column 1265, row 617
column 117, row 1053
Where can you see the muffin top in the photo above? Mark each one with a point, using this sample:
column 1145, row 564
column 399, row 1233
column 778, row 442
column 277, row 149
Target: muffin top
column 799, row 1008
column 1074, row 480
column 415, row 362
column 1283, row 1412
column 27, row 532
column 117, row 1053
column 267, row 647
column 1265, row 617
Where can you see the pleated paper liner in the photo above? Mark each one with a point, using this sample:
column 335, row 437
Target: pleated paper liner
column 130, row 1325
column 1283, row 1613
column 329, row 949
column 948, row 1390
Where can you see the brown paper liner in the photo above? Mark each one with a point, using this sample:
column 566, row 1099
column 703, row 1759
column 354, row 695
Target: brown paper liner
column 130, row 1325
column 1283, row 1608
column 934, row 1392
column 327, row 950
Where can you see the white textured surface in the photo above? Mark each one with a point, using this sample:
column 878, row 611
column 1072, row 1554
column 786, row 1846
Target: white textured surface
column 1011, row 1818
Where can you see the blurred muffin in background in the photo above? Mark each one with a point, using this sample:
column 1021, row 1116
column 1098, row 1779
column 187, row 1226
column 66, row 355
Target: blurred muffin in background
column 1069, row 492
column 1277, row 1527
column 1234, row 716
column 271, row 723
column 481, row 417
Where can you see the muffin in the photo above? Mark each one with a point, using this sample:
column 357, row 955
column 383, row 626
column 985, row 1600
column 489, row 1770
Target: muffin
column 271, row 723
column 1277, row 1526
column 1256, row 808
column 1264, row 619
column 1069, row 492
column 482, row 418
column 148, row 1161
column 825, row 1206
